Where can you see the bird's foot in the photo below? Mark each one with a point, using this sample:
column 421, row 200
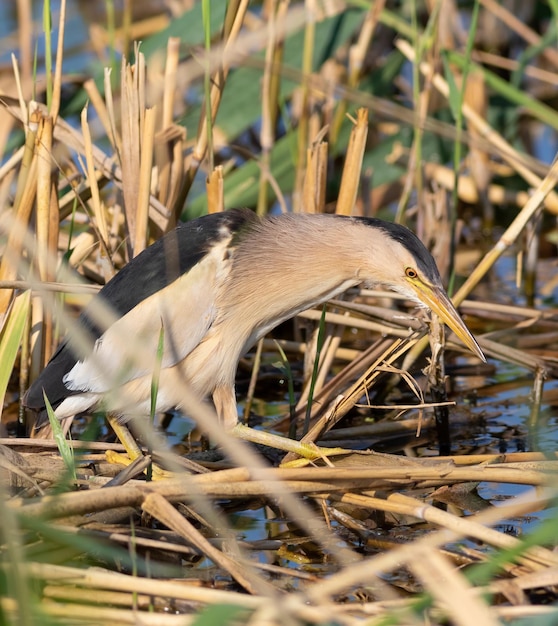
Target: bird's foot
column 133, row 451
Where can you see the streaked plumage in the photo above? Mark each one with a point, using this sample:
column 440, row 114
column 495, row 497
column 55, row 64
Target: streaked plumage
column 216, row 285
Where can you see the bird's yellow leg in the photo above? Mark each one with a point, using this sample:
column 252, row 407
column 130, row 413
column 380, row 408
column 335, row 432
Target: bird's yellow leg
column 133, row 451
column 308, row 451
column 125, row 437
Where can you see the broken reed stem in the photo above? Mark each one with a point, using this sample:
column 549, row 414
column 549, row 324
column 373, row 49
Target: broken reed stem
column 101, row 109
column 357, row 54
column 315, row 178
column 234, row 18
column 215, row 188
column 218, row 78
column 144, row 192
column 158, row 507
column 47, row 220
column 131, row 148
column 271, row 83
column 57, row 81
column 44, row 168
column 23, row 206
column 169, row 162
column 350, row 181
column 96, row 203
column 304, row 129
column 114, row 136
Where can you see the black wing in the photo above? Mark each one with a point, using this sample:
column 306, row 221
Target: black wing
column 156, row 267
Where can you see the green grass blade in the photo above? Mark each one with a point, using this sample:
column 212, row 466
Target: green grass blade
column 157, row 373
column 11, row 338
column 285, row 367
column 206, row 17
column 539, row 110
column 66, row 451
column 315, row 370
column 47, row 28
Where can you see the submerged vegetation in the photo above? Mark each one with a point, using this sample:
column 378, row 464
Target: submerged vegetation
column 118, row 120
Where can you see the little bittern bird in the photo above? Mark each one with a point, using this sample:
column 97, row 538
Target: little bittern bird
column 207, row 291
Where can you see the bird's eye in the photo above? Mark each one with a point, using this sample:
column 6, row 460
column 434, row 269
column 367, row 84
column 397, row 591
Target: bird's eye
column 411, row 273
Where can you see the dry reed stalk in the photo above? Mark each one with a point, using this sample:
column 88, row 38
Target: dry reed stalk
column 9, row 162
column 532, row 580
column 385, row 562
column 44, row 183
column 25, row 40
column 365, row 470
column 512, row 65
column 47, row 219
column 167, row 541
column 515, row 24
column 391, row 327
column 333, row 336
column 104, row 166
column 456, row 596
column 342, row 354
column 113, row 134
column 95, row 579
column 215, row 188
column 51, row 443
column 343, row 403
column 168, row 151
column 156, row 506
column 498, row 143
column 271, row 82
column 304, row 133
column 23, row 206
column 102, row 110
column 313, row 201
column 97, row 205
column 356, row 59
column 315, row 177
column 534, row 558
column 355, row 368
column 234, row 19
column 140, row 238
column 76, row 614
column 57, row 80
column 75, row 595
column 467, row 191
column 78, row 288
column 240, row 482
column 350, row 178
column 513, row 355
column 478, row 161
column 131, row 92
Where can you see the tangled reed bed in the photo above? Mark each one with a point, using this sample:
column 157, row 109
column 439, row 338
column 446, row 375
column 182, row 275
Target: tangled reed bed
column 274, row 110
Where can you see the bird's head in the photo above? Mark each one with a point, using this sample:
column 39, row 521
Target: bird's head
column 403, row 264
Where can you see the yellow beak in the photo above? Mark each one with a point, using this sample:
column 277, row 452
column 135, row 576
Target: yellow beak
column 438, row 301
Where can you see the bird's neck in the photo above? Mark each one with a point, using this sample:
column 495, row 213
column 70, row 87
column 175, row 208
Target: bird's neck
column 282, row 270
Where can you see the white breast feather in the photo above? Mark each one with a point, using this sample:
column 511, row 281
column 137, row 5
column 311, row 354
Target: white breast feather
column 184, row 310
